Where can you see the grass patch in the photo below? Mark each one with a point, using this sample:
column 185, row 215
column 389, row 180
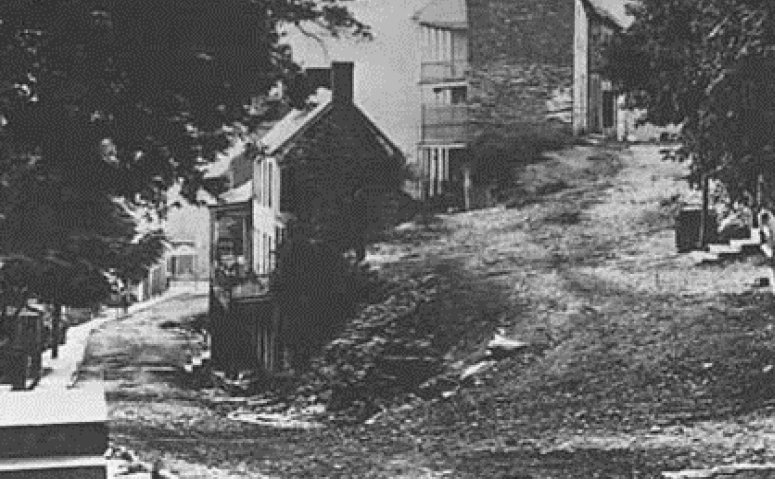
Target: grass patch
column 496, row 153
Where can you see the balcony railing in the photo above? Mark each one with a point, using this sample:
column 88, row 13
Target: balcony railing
column 444, row 124
column 441, row 71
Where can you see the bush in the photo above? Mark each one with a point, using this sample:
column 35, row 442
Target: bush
column 387, row 350
column 317, row 290
column 497, row 154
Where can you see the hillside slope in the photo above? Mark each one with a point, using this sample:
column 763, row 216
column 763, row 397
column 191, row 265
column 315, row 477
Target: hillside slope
column 653, row 363
column 644, row 362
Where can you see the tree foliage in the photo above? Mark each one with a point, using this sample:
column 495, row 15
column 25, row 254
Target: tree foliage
column 105, row 104
column 707, row 66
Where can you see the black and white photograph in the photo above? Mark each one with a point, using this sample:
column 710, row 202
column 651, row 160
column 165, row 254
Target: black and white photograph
column 387, row 239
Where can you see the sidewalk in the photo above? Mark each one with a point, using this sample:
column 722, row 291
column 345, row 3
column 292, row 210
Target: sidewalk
column 62, row 372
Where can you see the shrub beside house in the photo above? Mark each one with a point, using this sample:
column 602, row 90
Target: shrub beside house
column 309, row 172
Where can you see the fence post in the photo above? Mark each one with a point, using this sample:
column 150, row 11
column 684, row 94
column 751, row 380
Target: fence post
column 18, row 368
column 467, row 184
column 56, row 328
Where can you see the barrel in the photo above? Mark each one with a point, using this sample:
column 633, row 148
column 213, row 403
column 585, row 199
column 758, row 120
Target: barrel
column 688, row 225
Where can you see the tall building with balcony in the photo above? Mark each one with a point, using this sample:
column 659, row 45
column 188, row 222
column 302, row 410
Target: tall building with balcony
column 488, row 67
column 444, row 82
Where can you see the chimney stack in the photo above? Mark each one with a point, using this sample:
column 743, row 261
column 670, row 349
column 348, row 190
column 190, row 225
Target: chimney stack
column 342, row 84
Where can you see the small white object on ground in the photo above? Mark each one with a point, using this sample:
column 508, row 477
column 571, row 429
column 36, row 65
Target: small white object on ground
column 476, row 369
column 278, row 421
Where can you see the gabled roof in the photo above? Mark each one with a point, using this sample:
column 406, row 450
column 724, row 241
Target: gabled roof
column 297, row 122
column 294, row 124
column 222, row 165
column 451, row 14
column 611, row 11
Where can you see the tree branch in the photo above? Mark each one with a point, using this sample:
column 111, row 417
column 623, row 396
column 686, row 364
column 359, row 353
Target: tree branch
column 317, row 39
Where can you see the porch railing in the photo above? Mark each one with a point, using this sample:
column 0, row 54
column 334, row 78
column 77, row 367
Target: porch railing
column 445, row 123
column 441, row 71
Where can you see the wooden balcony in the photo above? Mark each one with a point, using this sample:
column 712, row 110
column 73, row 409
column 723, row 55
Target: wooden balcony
column 443, row 71
column 445, row 124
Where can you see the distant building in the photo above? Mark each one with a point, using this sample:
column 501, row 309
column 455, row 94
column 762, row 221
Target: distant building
column 598, row 108
column 182, row 260
column 596, row 102
column 188, row 229
column 490, row 66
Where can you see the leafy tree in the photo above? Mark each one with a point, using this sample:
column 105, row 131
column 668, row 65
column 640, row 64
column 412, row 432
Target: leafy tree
column 105, row 104
column 706, row 65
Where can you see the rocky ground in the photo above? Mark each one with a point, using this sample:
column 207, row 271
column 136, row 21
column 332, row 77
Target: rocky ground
column 642, row 362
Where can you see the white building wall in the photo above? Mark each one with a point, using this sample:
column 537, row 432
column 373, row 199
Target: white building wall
column 266, row 181
column 580, row 69
column 192, row 223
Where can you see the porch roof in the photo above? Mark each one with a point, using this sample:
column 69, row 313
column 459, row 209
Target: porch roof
column 294, row 124
column 451, row 14
column 240, row 194
column 183, row 250
column 612, row 11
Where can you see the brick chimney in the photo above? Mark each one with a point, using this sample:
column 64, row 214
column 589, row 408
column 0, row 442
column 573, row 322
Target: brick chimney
column 342, row 82
column 318, row 77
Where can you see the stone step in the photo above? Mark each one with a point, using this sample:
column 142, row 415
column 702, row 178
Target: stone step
column 729, row 471
column 723, row 249
column 703, row 257
column 53, row 422
column 69, row 467
column 742, row 243
column 53, row 440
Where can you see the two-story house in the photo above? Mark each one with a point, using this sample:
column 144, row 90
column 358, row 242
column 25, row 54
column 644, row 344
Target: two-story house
column 314, row 161
column 309, row 166
column 310, row 161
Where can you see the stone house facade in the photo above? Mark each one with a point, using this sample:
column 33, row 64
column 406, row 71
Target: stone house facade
column 487, row 65
column 490, row 66
column 521, row 58
column 310, row 162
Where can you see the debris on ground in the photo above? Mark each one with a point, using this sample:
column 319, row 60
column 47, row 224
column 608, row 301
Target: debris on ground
column 502, row 347
column 278, row 421
column 730, row 471
column 476, row 369
column 124, row 463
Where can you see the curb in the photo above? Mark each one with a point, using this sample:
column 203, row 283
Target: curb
column 727, row 472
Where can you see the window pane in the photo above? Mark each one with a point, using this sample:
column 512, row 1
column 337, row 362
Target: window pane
column 269, row 181
column 459, row 94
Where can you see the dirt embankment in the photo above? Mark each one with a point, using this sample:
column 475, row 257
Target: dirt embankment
column 654, row 361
